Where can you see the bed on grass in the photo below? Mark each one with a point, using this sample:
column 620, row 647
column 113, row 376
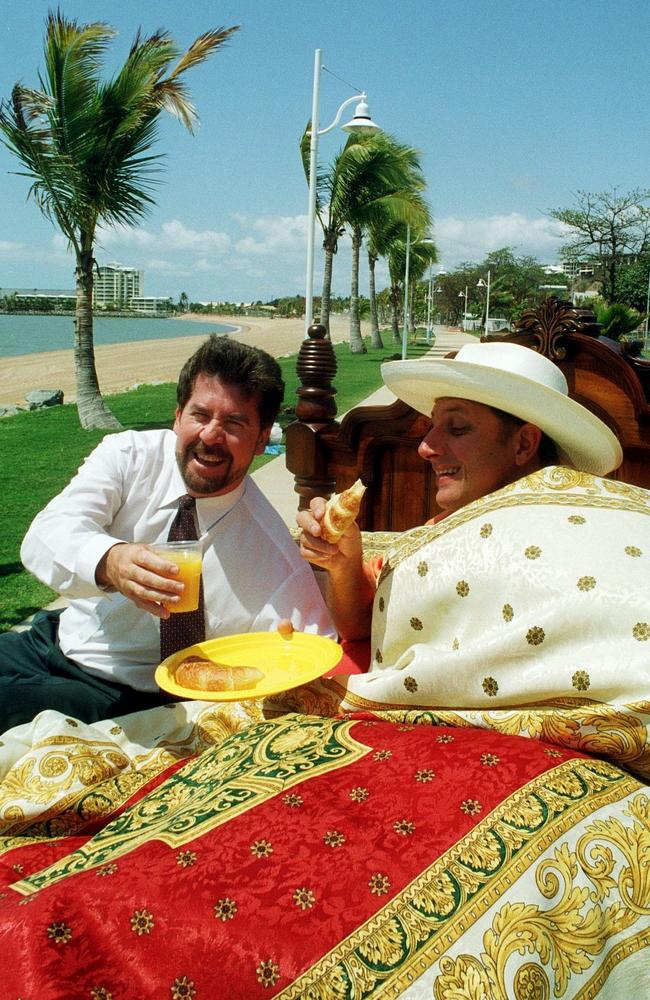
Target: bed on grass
column 469, row 826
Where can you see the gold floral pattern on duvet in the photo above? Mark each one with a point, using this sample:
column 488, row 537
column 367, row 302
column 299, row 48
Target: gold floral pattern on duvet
column 78, row 778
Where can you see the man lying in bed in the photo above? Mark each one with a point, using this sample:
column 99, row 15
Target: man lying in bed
column 94, row 544
column 499, row 412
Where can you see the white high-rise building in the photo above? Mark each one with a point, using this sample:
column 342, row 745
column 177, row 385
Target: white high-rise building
column 116, row 285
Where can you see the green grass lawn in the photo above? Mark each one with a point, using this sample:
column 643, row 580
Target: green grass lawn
column 41, row 451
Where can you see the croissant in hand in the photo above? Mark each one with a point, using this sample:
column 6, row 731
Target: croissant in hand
column 341, row 510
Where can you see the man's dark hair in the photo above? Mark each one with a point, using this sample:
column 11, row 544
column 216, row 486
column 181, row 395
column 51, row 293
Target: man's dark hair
column 251, row 369
column 547, row 450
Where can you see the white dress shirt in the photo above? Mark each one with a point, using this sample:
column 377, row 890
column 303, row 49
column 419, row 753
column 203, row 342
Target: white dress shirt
column 127, row 490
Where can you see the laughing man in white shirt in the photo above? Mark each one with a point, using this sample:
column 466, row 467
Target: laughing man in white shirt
column 93, row 544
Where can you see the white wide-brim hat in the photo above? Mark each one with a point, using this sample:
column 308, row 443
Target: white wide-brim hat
column 519, row 381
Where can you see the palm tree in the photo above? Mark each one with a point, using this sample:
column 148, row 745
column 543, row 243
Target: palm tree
column 85, row 145
column 422, row 253
column 373, row 256
column 381, row 233
column 372, row 176
column 332, row 226
column 388, row 188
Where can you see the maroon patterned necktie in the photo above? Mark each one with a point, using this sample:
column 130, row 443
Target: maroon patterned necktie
column 182, row 628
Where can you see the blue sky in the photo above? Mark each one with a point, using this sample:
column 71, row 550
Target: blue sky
column 514, row 107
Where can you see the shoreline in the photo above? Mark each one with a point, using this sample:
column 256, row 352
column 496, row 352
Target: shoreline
column 122, row 366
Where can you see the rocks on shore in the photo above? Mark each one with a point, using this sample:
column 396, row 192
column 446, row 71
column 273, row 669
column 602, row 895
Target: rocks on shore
column 38, row 398
column 11, row 410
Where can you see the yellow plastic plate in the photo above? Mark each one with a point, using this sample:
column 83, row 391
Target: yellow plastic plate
column 285, row 663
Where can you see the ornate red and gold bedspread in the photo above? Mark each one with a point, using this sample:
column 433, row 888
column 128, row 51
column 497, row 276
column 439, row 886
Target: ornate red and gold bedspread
column 337, row 858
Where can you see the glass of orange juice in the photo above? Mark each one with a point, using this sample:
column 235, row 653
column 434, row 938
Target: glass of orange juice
column 188, row 557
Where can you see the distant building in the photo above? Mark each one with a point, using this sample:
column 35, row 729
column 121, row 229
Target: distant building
column 151, row 305
column 578, row 269
column 115, row 285
column 588, row 267
column 38, row 299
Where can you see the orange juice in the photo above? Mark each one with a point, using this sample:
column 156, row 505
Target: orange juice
column 187, row 556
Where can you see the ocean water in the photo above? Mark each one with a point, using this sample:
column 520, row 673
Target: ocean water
column 34, row 334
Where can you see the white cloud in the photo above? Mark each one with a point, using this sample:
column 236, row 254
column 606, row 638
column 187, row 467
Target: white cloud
column 178, row 236
column 165, row 267
column 252, row 257
column 7, row 248
column 173, row 236
column 205, row 266
column 272, row 235
column 471, row 239
column 55, row 253
column 115, row 237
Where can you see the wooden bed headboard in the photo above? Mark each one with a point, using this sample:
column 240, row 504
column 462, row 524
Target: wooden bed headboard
column 379, row 443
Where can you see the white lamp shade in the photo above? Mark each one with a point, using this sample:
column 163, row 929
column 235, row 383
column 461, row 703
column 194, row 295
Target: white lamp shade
column 361, row 121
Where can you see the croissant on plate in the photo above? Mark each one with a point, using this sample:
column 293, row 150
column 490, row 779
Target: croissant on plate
column 206, row 675
column 341, row 510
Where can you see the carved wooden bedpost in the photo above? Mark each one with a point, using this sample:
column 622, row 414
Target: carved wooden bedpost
column 549, row 326
column 315, row 412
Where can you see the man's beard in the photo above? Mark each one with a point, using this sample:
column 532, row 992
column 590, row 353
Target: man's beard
column 208, row 485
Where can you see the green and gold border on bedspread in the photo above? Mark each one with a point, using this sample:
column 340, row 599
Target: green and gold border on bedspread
column 619, row 733
column 349, row 858
column 213, row 788
column 59, row 775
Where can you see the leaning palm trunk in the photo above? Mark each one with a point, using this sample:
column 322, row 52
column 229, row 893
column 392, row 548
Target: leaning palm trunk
column 394, row 313
column 327, row 285
column 412, row 319
column 357, row 345
column 375, row 336
column 93, row 412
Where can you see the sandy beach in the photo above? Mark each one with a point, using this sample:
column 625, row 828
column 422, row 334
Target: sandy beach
column 121, row 366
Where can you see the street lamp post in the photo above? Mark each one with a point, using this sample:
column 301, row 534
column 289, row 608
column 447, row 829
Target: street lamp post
column 483, row 284
column 436, row 288
column 464, row 295
column 361, row 122
column 429, row 302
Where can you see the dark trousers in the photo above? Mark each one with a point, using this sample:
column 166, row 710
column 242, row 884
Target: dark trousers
column 35, row 675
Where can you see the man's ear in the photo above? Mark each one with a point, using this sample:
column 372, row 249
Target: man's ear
column 177, row 417
column 262, row 440
column 528, row 440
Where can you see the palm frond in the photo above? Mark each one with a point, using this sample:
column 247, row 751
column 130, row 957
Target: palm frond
column 73, row 55
column 173, row 97
column 86, row 144
column 202, row 47
column 321, row 176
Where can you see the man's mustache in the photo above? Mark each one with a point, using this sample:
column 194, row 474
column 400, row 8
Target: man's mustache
column 210, row 452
